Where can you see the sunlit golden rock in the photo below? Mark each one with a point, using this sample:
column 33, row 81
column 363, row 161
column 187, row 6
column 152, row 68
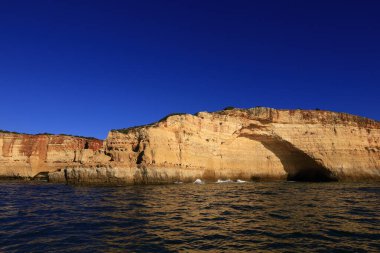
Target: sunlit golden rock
column 245, row 144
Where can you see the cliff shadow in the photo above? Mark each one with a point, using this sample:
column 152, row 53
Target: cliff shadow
column 298, row 165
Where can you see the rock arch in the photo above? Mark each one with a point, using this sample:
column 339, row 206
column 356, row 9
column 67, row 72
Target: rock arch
column 299, row 165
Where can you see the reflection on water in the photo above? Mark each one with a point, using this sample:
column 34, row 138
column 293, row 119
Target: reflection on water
column 275, row 216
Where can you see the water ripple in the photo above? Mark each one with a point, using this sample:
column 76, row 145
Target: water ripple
column 276, row 216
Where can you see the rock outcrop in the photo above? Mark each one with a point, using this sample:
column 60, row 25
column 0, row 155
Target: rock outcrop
column 253, row 143
column 257, row 143
column 24, row 155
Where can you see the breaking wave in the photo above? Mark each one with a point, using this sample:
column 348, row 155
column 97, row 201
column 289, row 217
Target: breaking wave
column 198, row 181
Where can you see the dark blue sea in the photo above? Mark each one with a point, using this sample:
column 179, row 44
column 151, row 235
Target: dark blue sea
column 229, row 217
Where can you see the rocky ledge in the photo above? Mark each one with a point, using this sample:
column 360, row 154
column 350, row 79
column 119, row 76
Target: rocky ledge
column 26, row 156
column 247, row 144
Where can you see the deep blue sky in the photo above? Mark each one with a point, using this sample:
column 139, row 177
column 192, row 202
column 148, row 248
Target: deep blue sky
column 85, row 67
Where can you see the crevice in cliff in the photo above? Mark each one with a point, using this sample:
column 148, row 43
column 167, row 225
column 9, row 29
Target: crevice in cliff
column 140, row 157
column 298, row 165
column 136, row 147
column 66, row 176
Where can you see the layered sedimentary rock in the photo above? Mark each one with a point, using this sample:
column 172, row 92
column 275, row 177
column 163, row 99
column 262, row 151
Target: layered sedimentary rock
column 254, row 143
column 257, row 143
column 24, row 155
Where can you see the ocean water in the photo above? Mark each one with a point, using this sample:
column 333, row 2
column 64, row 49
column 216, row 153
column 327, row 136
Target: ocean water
column 217, row 217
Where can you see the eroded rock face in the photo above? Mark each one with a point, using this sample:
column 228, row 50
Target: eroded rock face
column 23, row 155
column 254, row 143
column 257, row 143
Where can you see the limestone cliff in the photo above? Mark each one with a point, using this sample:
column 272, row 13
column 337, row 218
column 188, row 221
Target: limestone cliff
column 24, row 155
column 257, row 143
column 253, row 143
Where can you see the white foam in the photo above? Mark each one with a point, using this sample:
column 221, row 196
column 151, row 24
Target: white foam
column 178, row 182
column 240, row 181
column 224, row 181
column 198, row 181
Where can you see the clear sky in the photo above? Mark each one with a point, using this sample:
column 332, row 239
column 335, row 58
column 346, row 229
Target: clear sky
column 85, row 67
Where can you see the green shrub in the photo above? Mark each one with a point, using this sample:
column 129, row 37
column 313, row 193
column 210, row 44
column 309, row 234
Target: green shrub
column 8, row 132
column 171, row 114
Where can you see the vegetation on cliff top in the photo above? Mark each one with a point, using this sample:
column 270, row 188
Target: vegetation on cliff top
column 126, row 130
column 361, row 121
column 69, row 135
column 307, row 114
column 229, row 108
column 172, row 114
column 8, row 132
